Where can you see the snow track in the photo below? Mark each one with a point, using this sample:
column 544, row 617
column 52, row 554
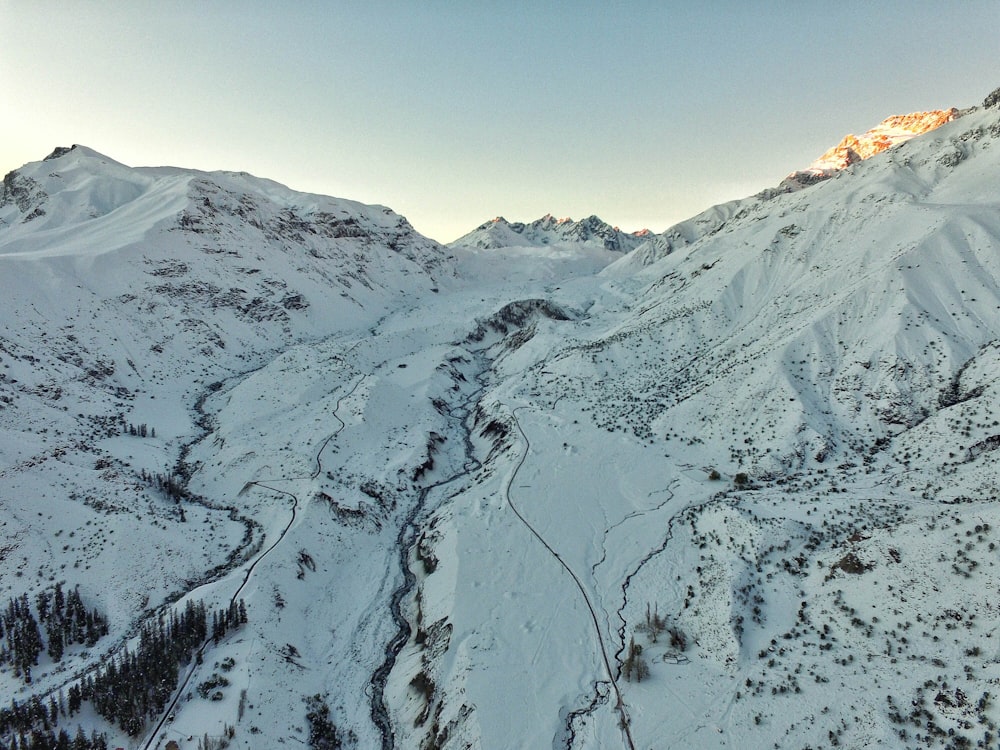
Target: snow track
column 152, row 739
column 620, row 707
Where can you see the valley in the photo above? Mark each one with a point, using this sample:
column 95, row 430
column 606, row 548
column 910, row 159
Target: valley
column 733, row 487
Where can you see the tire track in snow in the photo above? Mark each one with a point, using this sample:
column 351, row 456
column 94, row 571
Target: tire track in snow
column 199, row 654
column 620, row 707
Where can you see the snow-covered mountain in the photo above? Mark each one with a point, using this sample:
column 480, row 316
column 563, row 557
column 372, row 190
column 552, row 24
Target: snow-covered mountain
column 890, row 132
column 591, row 232
column 791, row 505
column 547, row 248
column 736, row 489
column 129, row 295
column 134, row 277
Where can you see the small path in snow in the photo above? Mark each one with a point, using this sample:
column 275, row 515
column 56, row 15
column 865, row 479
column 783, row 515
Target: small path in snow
column 625, row 721
column 199, row 654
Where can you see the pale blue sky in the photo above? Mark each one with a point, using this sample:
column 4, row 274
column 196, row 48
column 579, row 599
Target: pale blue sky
column 451, row 113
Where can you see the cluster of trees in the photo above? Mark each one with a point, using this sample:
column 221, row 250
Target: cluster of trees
column 64, row 619
column 635, row 666
column 323, row 733
column 172, row 486
column 655, row 625
column 217, row 743
column 129, row 688
column 40, row 739
column 224, row 620
column 137, row 685
column 33, row 725
column 22, row 639
column 141, row 430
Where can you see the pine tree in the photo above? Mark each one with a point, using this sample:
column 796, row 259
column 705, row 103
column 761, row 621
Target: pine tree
column 42, row 605
column 58, row 601
column 55, row 634
column 75, row 699
column 90, row 631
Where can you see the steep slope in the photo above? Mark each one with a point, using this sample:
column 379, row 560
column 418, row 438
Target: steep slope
column 878, row 265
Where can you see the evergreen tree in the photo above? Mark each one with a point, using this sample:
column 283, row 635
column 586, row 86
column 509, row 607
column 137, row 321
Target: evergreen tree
column 55, row 634
column 42, row 605
column 58, row 601
column 75, row 699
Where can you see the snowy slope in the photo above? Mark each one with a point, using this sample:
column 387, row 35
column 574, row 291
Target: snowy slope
column 458, row 488
column 891, row 132
column 129, row 295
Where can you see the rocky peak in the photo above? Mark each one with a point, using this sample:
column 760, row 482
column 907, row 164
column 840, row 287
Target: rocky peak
column 992, row 100
column 892, row 131
column 549, row 230
column 888, row 133
column 59, row 151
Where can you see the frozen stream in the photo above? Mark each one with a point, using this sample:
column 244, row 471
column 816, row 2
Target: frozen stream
column 368, row 434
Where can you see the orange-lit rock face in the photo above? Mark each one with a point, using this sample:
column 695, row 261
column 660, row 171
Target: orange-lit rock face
column 890, row 132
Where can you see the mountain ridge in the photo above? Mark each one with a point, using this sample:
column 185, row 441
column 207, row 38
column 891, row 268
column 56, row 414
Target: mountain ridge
column 548, row 230
column 891, row 132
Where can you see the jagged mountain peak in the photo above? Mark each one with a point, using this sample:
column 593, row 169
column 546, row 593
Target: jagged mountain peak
column 892, row 131
column 928, row 158
column 992, row 99
column 591, row 231
column 79, row 151
column 60, row 151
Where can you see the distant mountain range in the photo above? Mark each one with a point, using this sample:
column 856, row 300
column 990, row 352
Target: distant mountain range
column 548, row 231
